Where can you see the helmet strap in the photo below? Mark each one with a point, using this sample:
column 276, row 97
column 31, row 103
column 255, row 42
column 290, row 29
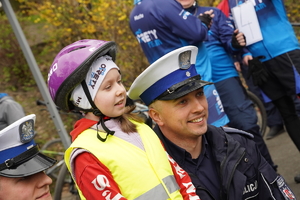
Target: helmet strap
column 94, row 109
column 108, row 132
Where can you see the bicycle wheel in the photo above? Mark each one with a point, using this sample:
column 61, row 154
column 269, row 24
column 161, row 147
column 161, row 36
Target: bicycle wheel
column 260, row 112
column 65, row 187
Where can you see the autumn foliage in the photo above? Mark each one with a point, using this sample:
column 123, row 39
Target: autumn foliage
column 62, row 22
column 66, row 21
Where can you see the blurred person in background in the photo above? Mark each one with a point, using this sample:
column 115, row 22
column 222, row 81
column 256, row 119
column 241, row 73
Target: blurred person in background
column 276, row 66
column 10, row 110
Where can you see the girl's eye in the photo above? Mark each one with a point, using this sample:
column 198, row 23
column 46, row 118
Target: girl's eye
column 108, row 87
column 120, row 82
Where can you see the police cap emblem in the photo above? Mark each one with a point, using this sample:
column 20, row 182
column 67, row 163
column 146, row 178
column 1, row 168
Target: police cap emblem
column 185, row 59
column 26, row 131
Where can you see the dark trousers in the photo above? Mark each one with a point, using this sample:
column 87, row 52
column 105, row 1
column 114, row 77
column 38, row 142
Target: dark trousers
column 273, row 115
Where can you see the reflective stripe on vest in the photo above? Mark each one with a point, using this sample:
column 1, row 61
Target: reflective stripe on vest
column 159, row 191
column 139, row 174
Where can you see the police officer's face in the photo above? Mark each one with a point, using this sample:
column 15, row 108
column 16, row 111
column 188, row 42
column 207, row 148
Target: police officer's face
column 34, row 187
column 184, row 118
column 186, row 3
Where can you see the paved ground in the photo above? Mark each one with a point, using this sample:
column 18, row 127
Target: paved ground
column 285, row 154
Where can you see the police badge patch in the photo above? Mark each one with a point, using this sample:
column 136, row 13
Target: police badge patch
column 284, row 189
column 185, row 59
column 26, row 131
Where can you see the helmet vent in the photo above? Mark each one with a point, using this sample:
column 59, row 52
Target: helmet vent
column 77, row 49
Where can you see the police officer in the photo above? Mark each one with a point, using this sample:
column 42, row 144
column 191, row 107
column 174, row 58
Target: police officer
column 224, row 163
column 22, row 165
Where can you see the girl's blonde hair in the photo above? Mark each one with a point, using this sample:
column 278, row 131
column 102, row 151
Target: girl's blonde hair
column 126, row 125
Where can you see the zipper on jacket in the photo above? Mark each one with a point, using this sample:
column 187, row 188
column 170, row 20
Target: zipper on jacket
column 231, row 175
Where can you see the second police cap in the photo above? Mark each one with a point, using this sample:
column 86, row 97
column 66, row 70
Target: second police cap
column 19, row 154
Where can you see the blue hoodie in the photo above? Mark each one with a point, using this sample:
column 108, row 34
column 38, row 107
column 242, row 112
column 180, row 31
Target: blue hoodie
column 278, row 34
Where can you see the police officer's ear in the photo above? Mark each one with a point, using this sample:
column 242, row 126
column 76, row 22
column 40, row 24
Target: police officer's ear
column 154, row 113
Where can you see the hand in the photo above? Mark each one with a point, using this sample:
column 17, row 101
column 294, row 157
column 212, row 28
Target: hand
column 257, row 71
column 206, row 18
column 246, row 59
column 210, row 13
column 237, row 66
column 238, row 40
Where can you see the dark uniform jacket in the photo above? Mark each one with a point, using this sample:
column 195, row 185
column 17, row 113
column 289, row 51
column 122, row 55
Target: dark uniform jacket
column 243, row 172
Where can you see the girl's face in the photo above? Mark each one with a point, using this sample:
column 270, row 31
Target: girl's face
column 111, row 95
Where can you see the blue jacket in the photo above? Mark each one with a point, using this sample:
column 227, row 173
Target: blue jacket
column 278, row 34
column 219, row 46
column 163, row 26
column 243, row 172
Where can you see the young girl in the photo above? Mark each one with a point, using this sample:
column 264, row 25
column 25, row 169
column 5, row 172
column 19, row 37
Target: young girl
column 113, row 155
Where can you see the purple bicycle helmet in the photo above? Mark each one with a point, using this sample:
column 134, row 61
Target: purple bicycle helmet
column 71, row 65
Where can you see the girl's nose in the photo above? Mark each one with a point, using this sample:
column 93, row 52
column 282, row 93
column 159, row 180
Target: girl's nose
column 121, row 90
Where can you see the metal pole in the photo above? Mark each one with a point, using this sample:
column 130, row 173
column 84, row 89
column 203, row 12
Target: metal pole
column 36, row 72
column 295, row 24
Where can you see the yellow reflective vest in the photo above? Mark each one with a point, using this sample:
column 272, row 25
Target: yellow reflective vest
column 140, row 175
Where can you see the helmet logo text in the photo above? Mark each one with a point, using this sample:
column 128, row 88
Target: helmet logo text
column 53, row 69
column 95, row 75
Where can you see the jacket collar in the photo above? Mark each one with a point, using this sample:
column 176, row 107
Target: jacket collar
column 226, row 150
column 80, row 126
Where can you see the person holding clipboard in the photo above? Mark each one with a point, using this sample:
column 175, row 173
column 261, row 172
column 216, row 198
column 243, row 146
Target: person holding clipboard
column 275, row 67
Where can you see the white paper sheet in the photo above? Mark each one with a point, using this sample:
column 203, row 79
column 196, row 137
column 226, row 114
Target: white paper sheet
column 245, row 20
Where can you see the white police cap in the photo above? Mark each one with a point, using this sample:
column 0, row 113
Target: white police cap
column 19, row 154
column 170, row 77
